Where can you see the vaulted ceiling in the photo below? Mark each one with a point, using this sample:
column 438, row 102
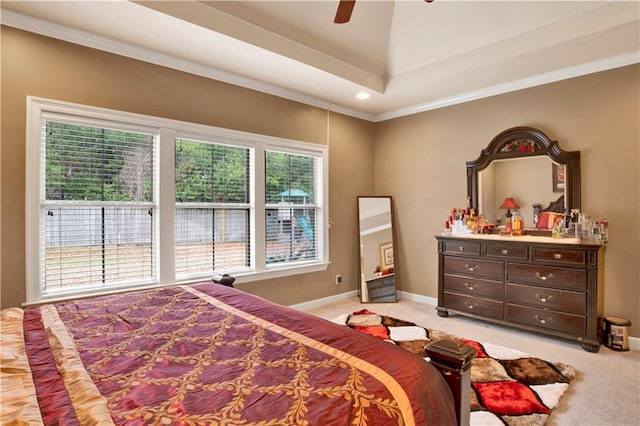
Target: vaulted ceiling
column 409, row 55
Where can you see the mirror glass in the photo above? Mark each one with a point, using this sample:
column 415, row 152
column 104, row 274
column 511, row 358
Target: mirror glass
column 377, row 253
column 529, row 181
column 524, row 164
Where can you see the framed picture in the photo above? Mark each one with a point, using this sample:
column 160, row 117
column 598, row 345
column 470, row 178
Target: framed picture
column 386, row 255
column 557, row 176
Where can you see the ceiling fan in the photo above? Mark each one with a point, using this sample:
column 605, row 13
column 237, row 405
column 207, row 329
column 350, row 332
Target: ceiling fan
column 345, row 7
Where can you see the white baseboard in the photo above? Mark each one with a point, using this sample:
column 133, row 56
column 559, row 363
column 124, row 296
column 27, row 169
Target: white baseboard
column 634, row 342
column 354, row 293
column 324, row 301
column 418, row 298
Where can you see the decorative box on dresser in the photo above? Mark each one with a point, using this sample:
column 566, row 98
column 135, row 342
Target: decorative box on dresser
column 540, row 284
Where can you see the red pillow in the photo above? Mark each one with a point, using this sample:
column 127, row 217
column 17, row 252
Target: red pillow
column 549, row 220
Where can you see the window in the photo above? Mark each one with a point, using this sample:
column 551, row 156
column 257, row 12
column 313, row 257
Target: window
column 291, row 209
column 212, row 208
column 118, row 200
column 97, row 208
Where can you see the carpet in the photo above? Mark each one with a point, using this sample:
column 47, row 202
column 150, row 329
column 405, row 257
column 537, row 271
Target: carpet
column 507, row 386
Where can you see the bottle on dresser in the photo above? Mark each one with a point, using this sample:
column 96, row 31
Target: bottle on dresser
column 517, row 224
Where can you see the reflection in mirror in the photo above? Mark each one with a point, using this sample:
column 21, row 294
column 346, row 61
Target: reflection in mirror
column 526, row 165
column 377, row 253
column 528, row 181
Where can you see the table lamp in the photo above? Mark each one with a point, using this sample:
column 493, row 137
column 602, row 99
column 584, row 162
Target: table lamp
column 509, row 203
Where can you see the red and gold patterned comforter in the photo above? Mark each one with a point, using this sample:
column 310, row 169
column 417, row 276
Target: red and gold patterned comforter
column 206, row 354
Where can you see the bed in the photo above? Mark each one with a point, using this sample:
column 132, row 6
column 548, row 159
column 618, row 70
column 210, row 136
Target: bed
column 207, row 354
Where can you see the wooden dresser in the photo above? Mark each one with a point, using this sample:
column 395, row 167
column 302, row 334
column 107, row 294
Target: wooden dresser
column 539, row 284
column 382, row 289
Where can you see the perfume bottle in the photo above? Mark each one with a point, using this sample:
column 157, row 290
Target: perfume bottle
column 517, row 224
column 604, row 231
column 508, row 226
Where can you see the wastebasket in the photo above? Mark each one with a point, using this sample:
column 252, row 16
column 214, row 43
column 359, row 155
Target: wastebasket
column 617, row 333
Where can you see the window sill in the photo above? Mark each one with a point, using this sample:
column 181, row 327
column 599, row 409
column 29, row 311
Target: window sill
column 280, row 272
column 272, row 273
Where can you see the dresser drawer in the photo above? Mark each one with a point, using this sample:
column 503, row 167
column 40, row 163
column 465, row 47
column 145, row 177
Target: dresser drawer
column 474, row 305
column 553, row 276
column 462, row 247
column 560, row 256
column 560, row 300
column 474, row 267
column 384, row 281
column 384, row 294
column 507, row 251
column 474, row 286
column 382, row 289
column 547, row 319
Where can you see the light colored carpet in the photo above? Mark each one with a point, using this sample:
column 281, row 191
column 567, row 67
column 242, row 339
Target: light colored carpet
column 605, row 392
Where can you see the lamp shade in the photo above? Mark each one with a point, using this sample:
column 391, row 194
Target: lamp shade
column 509, row 203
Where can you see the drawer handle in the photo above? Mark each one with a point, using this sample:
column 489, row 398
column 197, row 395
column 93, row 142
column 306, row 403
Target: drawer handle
column 471, row 287
column 471, row 268
column 544, row 277
column 544, row 299
column 542, row 320
column 505, row 251
column 460, row 248
column 557, row 256
column 470, row 305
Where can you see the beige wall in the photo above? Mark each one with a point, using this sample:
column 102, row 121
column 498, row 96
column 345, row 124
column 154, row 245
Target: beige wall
column 420, row 160
column 44, row 67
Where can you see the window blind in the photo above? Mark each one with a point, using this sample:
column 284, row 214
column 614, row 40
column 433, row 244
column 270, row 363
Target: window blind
column 212, row 208
column 246, row 204
column 292, row 210
column 97, row 207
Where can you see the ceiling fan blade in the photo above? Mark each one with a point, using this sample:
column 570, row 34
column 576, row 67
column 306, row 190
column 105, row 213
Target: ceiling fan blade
column 343, row 15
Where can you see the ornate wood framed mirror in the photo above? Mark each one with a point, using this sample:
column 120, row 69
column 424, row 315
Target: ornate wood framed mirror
column 525, row 164
column 377, row 249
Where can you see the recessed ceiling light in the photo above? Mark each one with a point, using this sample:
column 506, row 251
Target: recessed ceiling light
column 363, row 95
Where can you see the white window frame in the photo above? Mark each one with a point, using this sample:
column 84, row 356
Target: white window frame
column 204, row 138
column 316, row 205
column 168, row 131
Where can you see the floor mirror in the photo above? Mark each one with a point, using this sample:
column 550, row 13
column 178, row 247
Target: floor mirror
column 377, row 249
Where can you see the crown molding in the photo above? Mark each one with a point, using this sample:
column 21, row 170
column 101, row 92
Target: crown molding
column 83, row 38
column 512, row 86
